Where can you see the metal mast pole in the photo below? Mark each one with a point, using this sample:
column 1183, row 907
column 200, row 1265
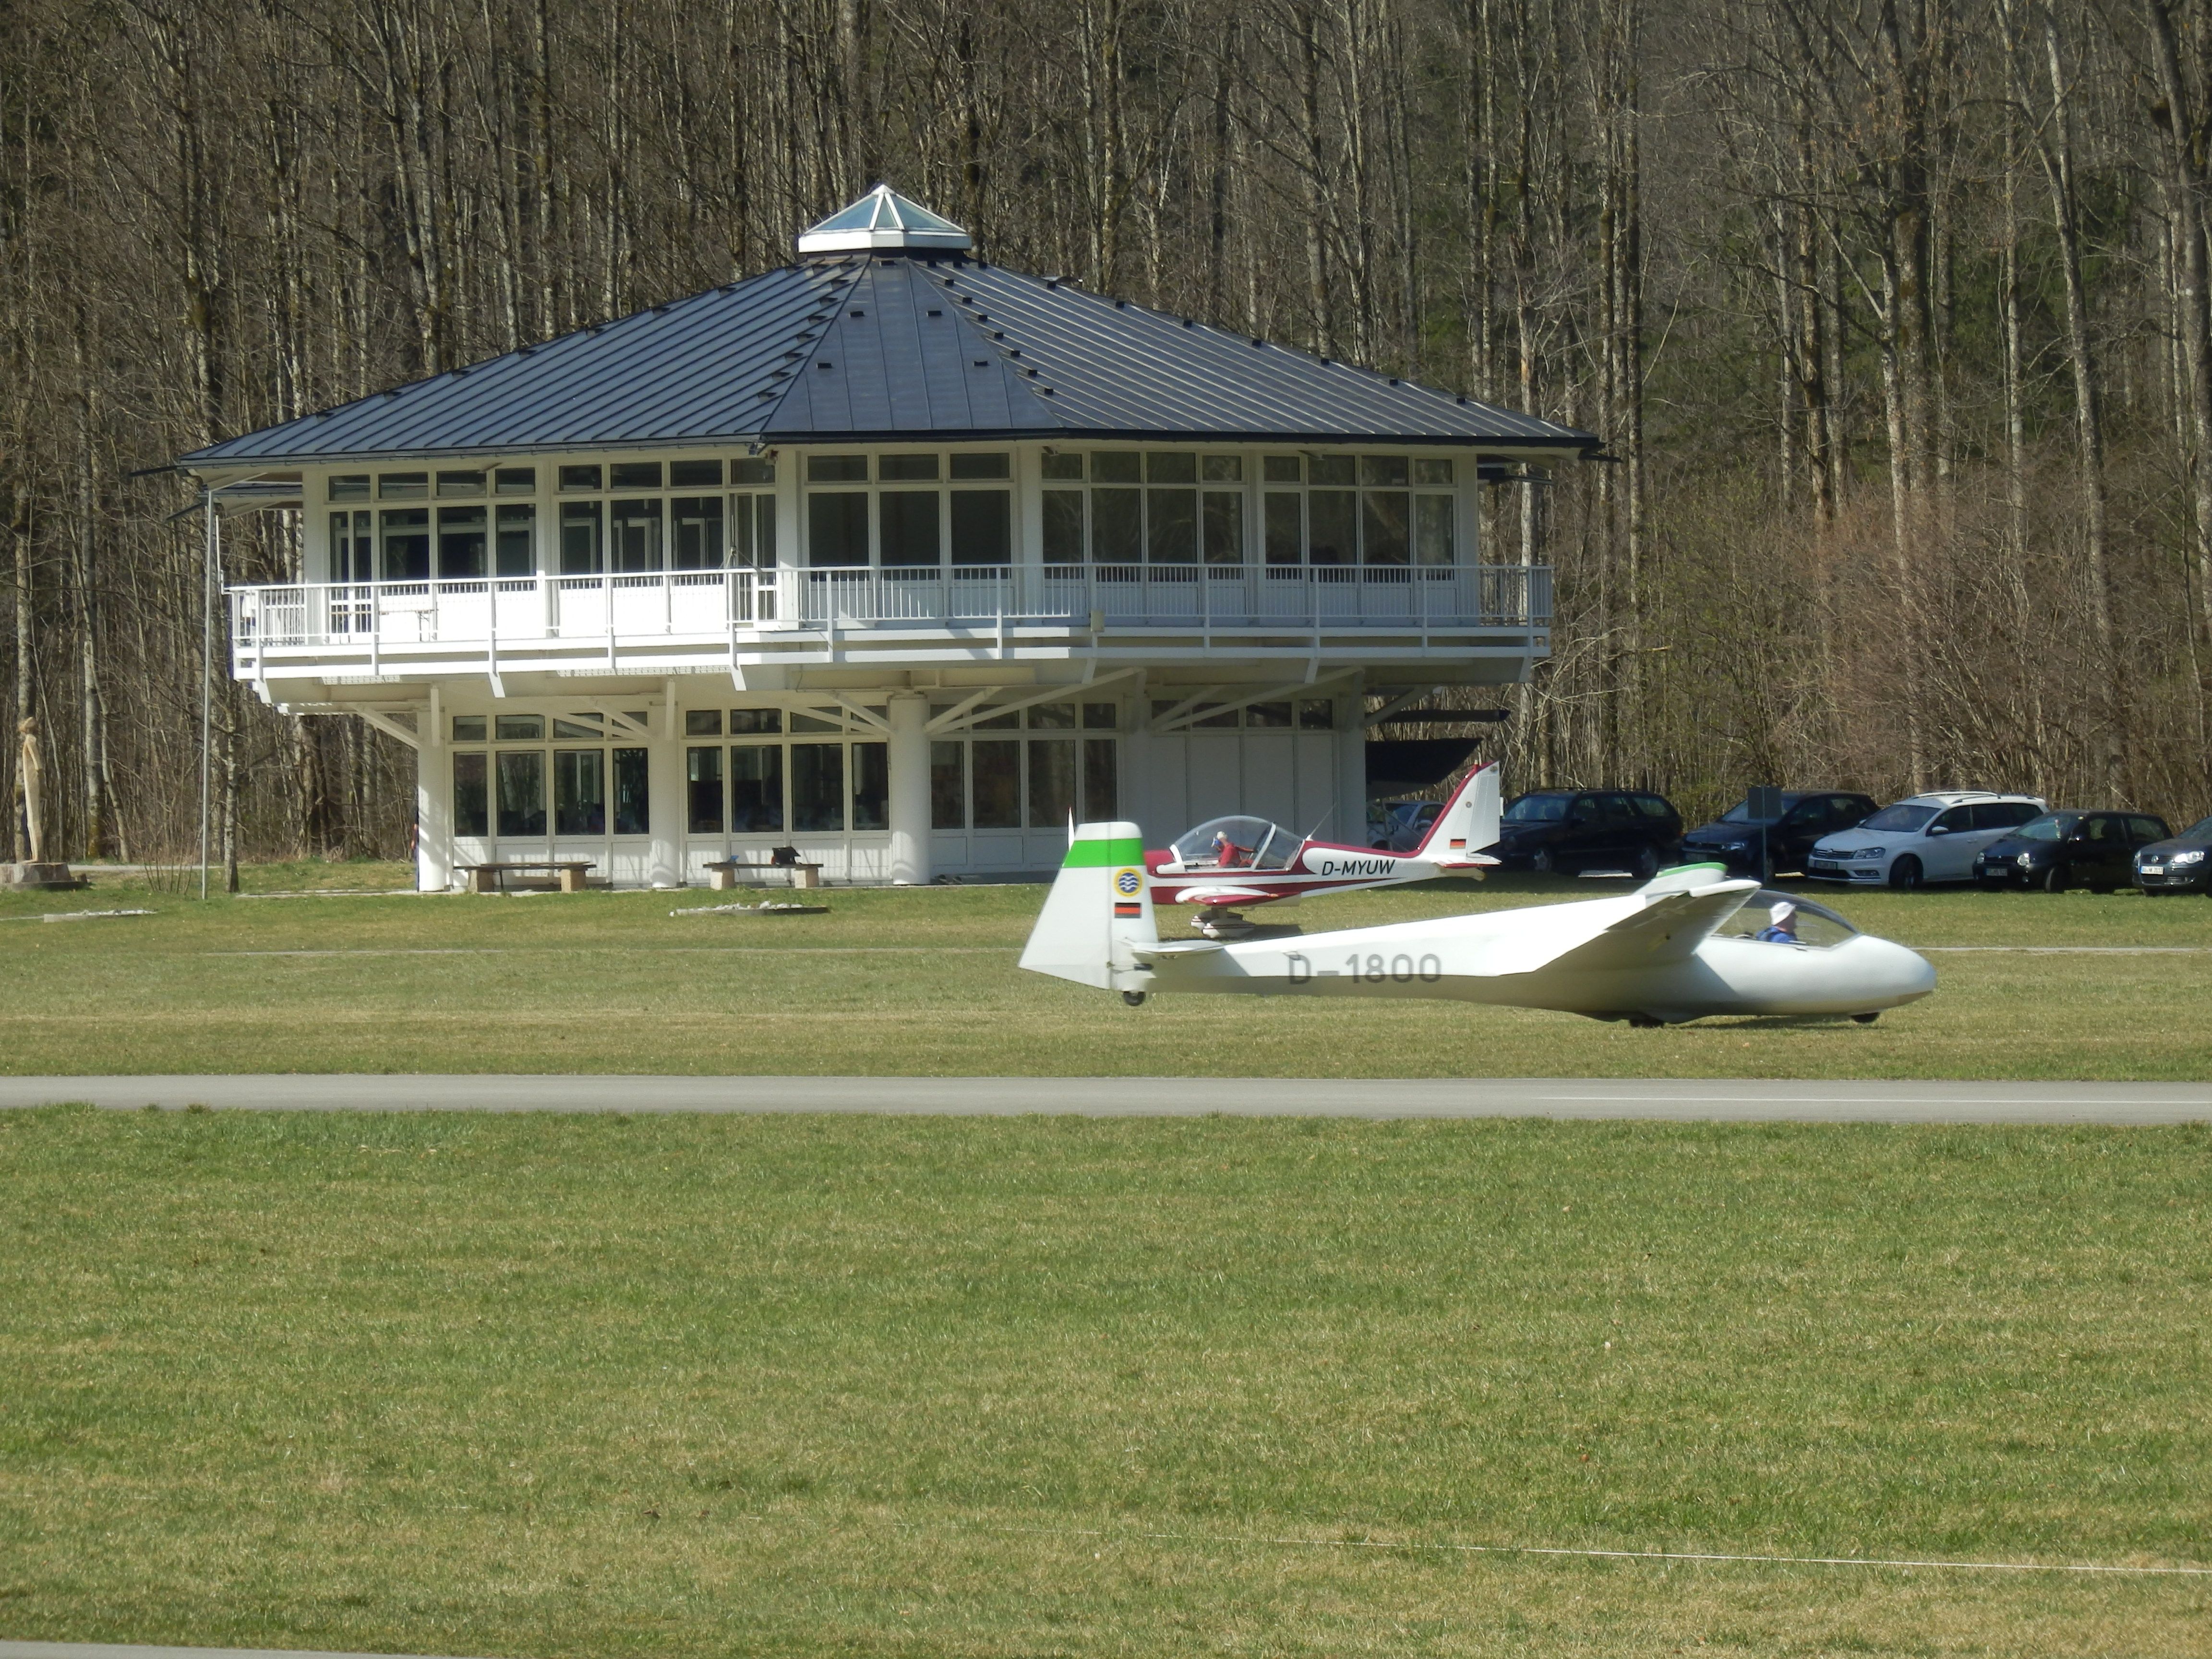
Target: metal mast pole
column 207, row 682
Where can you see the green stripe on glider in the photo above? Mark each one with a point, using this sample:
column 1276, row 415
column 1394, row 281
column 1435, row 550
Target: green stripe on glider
column 1091, row 854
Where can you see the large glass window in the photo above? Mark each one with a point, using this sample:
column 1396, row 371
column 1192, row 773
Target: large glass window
column 521, row 775
column 817, row 786
column 1224, row 527
column 1333, row 526
column 1286, row 528
column 461, row 538
column 406, row 543
column 997, row 765
column 1063, row 526
column 1051, row 781
column 982, row 525
column 1432, row 530
column 1117, row 526
column 518, row 539
column 696, row 525
column 703, row 790
column 581, row 551
column 871, row 786
column 907, row 521
column 1102, row 786
column 633, row 792
column 948, row 785
column 836, row 527
column 757, row 788
column 754, row 532
column 634, row 529
column 471, row 800
column 1385, row 538
column 353, row 547
column 579, row 792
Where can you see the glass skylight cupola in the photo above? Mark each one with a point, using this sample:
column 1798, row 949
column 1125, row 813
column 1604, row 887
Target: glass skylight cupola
column 883, row 220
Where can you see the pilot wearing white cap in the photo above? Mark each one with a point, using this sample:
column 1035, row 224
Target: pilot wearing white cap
column 1781, row 925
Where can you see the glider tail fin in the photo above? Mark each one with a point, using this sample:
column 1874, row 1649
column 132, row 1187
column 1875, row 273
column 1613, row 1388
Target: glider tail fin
column 1469, row 822
column 1100, row 907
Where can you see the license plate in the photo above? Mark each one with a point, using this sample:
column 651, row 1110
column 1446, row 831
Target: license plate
column 2153, row 869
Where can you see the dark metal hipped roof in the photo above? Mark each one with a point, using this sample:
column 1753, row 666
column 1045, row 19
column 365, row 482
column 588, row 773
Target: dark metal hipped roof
column 894, row 349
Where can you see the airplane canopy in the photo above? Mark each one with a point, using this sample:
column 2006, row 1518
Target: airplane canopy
column 1236, row 844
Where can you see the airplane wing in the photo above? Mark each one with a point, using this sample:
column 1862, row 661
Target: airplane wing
column 1226, row 895
column 1666, row 929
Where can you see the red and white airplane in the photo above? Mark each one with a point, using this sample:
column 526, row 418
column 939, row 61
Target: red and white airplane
column 1228, row 865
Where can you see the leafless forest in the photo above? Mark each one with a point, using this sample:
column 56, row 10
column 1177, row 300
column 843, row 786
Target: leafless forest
column 1892, row 314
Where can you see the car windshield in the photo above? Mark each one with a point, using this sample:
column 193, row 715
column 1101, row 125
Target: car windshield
column 1814, row 924
column 1538, row 809
column 1235, row 844
column 1741, row 813
column 1901, row 818
column 2050, row 827
column 2200, row 830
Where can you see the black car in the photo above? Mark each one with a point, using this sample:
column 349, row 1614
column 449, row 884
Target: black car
column 1572, row 829
column 1740, row 840
column 2065, row 849
column 2179, row 863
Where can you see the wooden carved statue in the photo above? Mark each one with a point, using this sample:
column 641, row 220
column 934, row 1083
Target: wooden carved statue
column 30, row 778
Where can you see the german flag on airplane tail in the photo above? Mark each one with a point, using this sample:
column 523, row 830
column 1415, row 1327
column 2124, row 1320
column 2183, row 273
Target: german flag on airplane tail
column 1128, row 889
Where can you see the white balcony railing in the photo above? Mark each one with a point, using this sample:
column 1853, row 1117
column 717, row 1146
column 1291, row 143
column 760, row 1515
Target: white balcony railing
column 498, row 612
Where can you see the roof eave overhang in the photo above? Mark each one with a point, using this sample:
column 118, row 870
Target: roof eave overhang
column 201, row 464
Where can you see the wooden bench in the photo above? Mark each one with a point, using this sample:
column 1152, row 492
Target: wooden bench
column 722, row 873
column 567, row 875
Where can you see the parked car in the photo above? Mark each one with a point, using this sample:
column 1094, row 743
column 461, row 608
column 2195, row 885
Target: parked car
column 1575, row 830
column 1740, row 840
column 2064, row 849
column 2179, row 863
column 1921, row 838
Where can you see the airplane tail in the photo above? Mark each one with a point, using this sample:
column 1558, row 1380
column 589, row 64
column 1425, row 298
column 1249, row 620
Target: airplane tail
column 1099, row 910
column 1469, row 822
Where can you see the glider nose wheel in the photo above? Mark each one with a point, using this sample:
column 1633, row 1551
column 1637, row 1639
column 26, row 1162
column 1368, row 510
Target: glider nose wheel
column 1134, row 999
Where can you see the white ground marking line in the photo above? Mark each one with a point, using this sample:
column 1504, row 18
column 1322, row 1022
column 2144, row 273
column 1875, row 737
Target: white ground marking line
column 1708, row 1099
column 2191, row 1571
column 2067, row 950
column 645, row 951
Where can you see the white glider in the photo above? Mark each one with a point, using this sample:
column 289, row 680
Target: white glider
column 1674, row 949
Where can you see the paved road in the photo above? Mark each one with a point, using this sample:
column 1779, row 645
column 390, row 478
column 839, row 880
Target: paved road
column 1749, row 1100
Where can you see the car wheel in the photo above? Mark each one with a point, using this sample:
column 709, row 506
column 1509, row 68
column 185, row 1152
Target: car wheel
column 2054, row 879
column 1647, row 863
column 1541, row 860
column 1904, row 874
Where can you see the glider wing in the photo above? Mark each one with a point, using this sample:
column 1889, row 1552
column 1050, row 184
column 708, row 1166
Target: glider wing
column 1668, row 928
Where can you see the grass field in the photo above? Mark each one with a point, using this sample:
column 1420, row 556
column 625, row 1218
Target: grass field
column 924, row 981
column 600, row 1387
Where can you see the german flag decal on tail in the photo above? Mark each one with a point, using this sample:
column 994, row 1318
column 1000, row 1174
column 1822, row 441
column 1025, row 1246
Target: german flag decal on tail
column 1128, row 888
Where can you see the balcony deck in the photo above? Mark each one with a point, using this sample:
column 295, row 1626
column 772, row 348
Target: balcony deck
column 689, row 622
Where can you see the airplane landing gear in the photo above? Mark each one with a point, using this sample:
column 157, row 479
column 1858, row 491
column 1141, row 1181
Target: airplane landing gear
column 1134, row 999
column 1865, row 1019
column 1225, row 924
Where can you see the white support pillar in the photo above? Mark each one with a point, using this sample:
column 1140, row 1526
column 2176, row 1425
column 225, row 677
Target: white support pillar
column 1349, row 714
column 664, row 798
column 909, row 711
column 434, row 801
